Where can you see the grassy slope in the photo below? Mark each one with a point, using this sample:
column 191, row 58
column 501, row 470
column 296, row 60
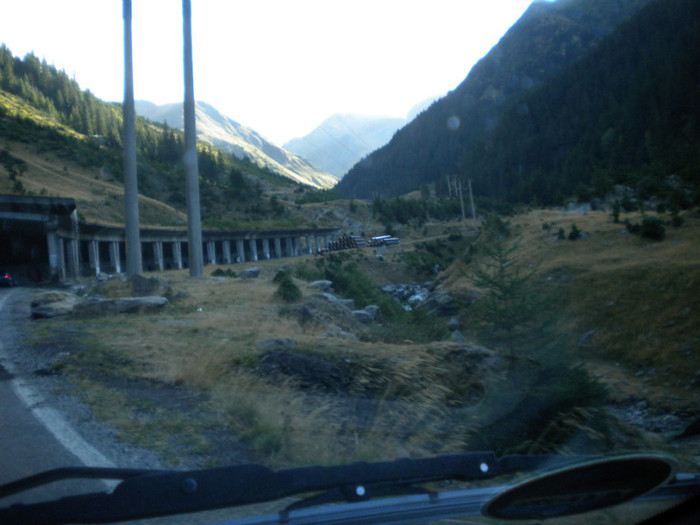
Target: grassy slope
column 46, row 173
column 638, row 298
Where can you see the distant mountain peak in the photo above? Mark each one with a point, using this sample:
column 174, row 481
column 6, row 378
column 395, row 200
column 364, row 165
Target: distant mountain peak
column 343, row 139
column 231, row 136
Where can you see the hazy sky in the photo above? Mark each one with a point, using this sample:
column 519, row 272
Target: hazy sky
column 278, row 66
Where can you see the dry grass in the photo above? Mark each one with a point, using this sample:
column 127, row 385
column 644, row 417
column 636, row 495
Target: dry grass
column 99, row 197
column 208, row 340
column 402, row 397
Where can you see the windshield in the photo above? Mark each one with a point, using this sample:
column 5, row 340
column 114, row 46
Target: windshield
column 404, row 230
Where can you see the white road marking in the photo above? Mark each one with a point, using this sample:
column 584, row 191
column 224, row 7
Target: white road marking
column 50, row 418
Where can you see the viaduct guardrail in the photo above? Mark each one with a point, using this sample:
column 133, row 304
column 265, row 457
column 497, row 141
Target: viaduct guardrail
column 50, row 230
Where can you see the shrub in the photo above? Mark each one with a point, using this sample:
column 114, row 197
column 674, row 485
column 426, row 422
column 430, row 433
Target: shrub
column 616, row 212
column 653, row 228
column 575, row 233
column 287, row 290
column 632, row 227
column 219, row 272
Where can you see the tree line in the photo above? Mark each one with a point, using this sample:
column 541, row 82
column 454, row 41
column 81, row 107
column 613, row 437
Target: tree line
column 226, row 183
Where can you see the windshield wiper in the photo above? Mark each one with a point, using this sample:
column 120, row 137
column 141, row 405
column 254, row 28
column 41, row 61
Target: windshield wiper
column 147, row 493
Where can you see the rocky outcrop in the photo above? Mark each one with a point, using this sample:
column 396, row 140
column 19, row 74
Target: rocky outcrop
column 144, row 286
column 57, row 303
column 249, row 273
column 53, row 304
column 96, row 307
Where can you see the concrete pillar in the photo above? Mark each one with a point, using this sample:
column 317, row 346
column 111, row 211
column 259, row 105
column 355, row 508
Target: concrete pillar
column 73, row 249
column 114, row 256
column 309, row 250
column 278, row 247
column 177, row 254
column 240, row 251
column 266, row 248
column 297, row 246
column 254, row 249
column 63, row 275
column 158, row 255
column 211, row 252
column 94, row 256
column 289, row 247
column 55, row 263
column 317, row 242
column 226, row 249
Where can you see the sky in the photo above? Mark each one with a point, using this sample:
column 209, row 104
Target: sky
column 280, row 67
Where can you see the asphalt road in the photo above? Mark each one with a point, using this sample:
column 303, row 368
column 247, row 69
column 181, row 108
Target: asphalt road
column 33, row 436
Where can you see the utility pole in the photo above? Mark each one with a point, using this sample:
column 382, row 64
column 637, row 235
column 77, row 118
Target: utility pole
column 458, row 188
column 194, row 218
column 131, row 196
column 471, row 199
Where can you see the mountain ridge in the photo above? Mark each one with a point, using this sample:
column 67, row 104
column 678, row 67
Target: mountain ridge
column 546, row 38
column 239, row 140
column 343, row 139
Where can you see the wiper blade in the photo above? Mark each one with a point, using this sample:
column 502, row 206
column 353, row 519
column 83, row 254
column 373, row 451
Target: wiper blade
column 145, row 493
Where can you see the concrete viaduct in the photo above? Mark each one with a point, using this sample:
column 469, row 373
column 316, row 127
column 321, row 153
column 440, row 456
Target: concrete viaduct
column 44, row 238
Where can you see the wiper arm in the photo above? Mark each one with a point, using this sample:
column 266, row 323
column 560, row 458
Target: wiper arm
column 146, row 493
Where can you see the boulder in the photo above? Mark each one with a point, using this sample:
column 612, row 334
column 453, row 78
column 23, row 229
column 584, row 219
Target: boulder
column 367, row 314
column 148, row 286
column 322, row 285
column 441, row 304
column 339, row 333
column 372, row 310
column 277, row 345
column 345, row 303
column 54, row 304
column 362, row 316
column 457, row 337
column 95, row 307
column 309, row 372
column 249, row 273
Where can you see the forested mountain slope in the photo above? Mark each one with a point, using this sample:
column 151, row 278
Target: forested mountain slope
column 45, row 114
column 547, row 38
column 628, row 113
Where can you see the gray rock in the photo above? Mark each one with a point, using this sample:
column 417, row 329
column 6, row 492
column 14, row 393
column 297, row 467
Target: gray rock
column 249, row 273
column 339, row 333
column 322, row 285
column 441, row 304
column 453, row 324
column 372, row 310
column 148, row 286
column 363, row 316
column 53, row 304
column 277, row 345
column 101, row 307
column 458, row 337
column 346, row 303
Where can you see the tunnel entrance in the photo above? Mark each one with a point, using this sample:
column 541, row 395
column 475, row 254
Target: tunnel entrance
column 26, row 225
column 24, row 251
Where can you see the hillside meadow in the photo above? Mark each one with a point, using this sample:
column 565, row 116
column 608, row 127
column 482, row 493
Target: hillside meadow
column 199, row 382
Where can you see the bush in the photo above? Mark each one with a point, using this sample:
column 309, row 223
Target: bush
column 228, row 272
column 653, row 228
column 575, row 233
column 287, row 290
